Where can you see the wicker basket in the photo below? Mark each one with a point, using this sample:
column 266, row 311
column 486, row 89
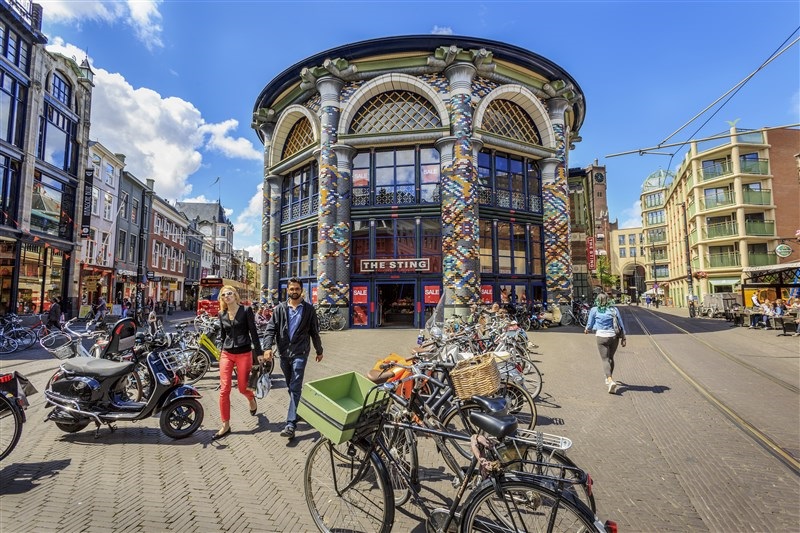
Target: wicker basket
column 475, row 376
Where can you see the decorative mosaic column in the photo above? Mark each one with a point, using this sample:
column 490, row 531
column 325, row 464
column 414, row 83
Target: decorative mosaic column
column 272, row 205
column 461, row 254
column 555, row 196
column 328, row 289
column 267, row 130
column 341, row 232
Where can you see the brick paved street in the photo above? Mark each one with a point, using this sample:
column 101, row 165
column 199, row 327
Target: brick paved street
column 662, row 457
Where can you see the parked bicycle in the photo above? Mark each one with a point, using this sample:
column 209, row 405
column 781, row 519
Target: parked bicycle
column 14, row 390
column 330, row 317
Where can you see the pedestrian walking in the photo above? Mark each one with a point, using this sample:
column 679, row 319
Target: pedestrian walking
column 293, row 327
column 240, row 345
column 602, row 318
column 54, row 315
column 102, row 308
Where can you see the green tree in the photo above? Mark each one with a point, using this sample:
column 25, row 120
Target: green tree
column 607, row 279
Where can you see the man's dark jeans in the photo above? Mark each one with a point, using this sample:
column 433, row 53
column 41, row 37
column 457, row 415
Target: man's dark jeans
column 293, row 370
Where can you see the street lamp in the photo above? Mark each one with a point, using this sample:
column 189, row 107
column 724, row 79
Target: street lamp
column 688, row 262
column 636, row 274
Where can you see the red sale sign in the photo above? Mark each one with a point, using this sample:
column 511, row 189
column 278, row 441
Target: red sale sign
column 431, row 294
column 314, row 295
column 487, row 294
column 360, row 294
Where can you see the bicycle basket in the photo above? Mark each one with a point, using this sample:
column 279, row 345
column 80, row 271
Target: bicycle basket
column 60, row 345
column 475, row 376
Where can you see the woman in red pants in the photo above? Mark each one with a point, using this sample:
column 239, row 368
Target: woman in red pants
column 239, row 338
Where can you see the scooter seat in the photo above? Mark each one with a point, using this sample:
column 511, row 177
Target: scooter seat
column 98, row 368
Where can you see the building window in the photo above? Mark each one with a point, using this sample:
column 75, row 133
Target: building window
column 135, row 211
column 395, row 176
column 300, row 193
column 632, row 252
column 486, row 246
column 13, row 96
column 91, row 246
column 156, row 253
column 52, row 206
column 121, row 241
column 9, row 194
column 132, row 249
column 622, row 252
column 511, row 248
column 432, row 242
column 108, row 174
column 13, row 48
column 62, row 90
column 165, row 257
column 508, row 119
column 298, row 253
column 300, row 136
column 655, row 217
column 108, row 206
column 157, row 225
column 102, row 253
column 123, row 205
column 621, row 239
column 395, row 111
column 654, row 200
column 57, row 140
column 509, row 182
column 631, row 239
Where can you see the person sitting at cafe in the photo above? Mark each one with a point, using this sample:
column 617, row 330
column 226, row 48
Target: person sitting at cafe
column 768, row 312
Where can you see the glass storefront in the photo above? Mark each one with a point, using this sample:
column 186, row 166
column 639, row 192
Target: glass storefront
column 40, row 277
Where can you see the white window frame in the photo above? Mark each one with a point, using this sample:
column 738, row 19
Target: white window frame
column 157, row 225
column 156, row 253
column 96, row 201
column 122, row 244
column 108, row 206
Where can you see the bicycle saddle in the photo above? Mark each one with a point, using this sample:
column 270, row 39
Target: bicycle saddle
column 498, row 427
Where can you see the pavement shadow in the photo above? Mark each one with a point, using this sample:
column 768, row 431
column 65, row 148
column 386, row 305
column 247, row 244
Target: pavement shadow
column 129, row 434
column 19, row 478
column 622, row 388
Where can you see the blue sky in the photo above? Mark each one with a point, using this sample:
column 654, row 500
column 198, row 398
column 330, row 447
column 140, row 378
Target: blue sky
column 176, row 81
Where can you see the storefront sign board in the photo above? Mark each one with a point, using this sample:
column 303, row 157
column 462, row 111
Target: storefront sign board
column 86, row 217
column 432, row 294
column 419, row 264
column 487, row 294
column 359, row 294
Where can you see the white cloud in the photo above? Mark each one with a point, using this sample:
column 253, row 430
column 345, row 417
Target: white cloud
column 249, row 220
column 255, row 253
column 198, row 200
column 632, row 216
column 230, row 147
column 142, row 16
column 442, row 30
column 162, row 137
column 794, row 106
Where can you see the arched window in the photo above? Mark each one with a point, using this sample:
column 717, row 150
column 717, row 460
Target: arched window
column 395, row 111
column 505, row 118
column 300, row 136
column 62, row 90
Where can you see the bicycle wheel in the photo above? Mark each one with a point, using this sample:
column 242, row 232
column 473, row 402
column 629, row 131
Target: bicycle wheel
column 523, row 504
column 580, row 490
column 7, row 345
column 520, row 404
column 524, row 322
column 346, row 490
column 198, row 366
column 324, row 321
column 583, row 318
column 337, row 322
column 25, row 337
column 567, row 319
column 403, row 450
column 10, row 424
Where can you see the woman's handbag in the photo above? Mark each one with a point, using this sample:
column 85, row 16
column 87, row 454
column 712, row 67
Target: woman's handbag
column 617, row 329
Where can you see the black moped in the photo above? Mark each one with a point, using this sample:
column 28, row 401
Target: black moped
column 85, row 390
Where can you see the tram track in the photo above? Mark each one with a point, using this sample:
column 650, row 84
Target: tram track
column 751, row 430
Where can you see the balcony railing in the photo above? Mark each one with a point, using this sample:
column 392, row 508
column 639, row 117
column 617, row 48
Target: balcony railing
column 762, row 197
column 720, row 200
column 761, row 228
column 721, row 230
column 695, row 264
column 693, row 237
column 751, row 166
column 717, row 171
column 692, row 211
column 761, row 259
column 723, row 260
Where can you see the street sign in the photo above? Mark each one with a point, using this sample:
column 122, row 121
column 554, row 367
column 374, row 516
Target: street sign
column 154, row 278
column 783, row 250
column 150, row 274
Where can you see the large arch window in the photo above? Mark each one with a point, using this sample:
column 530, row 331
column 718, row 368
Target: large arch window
column 507, row 119
column 300, row 136
column 300, row 193
column 395, row 111
column 61, row 90
column 396, row 177
column 509, row 182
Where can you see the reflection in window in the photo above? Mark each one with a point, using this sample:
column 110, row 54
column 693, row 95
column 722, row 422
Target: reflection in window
column 9, row 193
column 48, row 215
column 58, row 145
column 298, row 251
column 12, row 110
column 509, row 182
column 62, row 90
column 486, row 241
column 300, row 193
column 395, row 176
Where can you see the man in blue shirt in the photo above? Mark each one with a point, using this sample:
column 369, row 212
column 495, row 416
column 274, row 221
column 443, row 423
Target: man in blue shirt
column 293, row 327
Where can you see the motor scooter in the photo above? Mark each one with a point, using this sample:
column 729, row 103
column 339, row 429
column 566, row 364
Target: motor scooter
column 85, row 390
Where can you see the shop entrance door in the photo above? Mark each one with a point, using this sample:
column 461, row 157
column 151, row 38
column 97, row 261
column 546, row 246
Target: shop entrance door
column 396, row 304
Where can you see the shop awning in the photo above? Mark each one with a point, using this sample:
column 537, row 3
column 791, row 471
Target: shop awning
column 769, row 269
column 724, row 281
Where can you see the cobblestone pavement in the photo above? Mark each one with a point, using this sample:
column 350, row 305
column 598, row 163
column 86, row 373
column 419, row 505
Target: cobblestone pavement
column 662, row 457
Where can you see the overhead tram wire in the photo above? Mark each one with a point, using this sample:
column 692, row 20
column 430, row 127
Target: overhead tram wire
column 650, row 151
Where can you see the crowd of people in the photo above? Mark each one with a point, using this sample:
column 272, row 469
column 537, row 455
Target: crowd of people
column 762, row 314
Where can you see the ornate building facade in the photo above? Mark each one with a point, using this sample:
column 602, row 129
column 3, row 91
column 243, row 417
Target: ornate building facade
column 399, row 171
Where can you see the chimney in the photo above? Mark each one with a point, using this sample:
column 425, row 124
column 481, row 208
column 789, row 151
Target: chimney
column 150, row 183
column 121, row 157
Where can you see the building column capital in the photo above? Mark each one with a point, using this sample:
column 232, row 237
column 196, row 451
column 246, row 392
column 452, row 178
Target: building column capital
column 460, row 76
column 556, row 107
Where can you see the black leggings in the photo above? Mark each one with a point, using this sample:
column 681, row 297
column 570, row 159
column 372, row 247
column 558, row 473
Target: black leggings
column 607, row 346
